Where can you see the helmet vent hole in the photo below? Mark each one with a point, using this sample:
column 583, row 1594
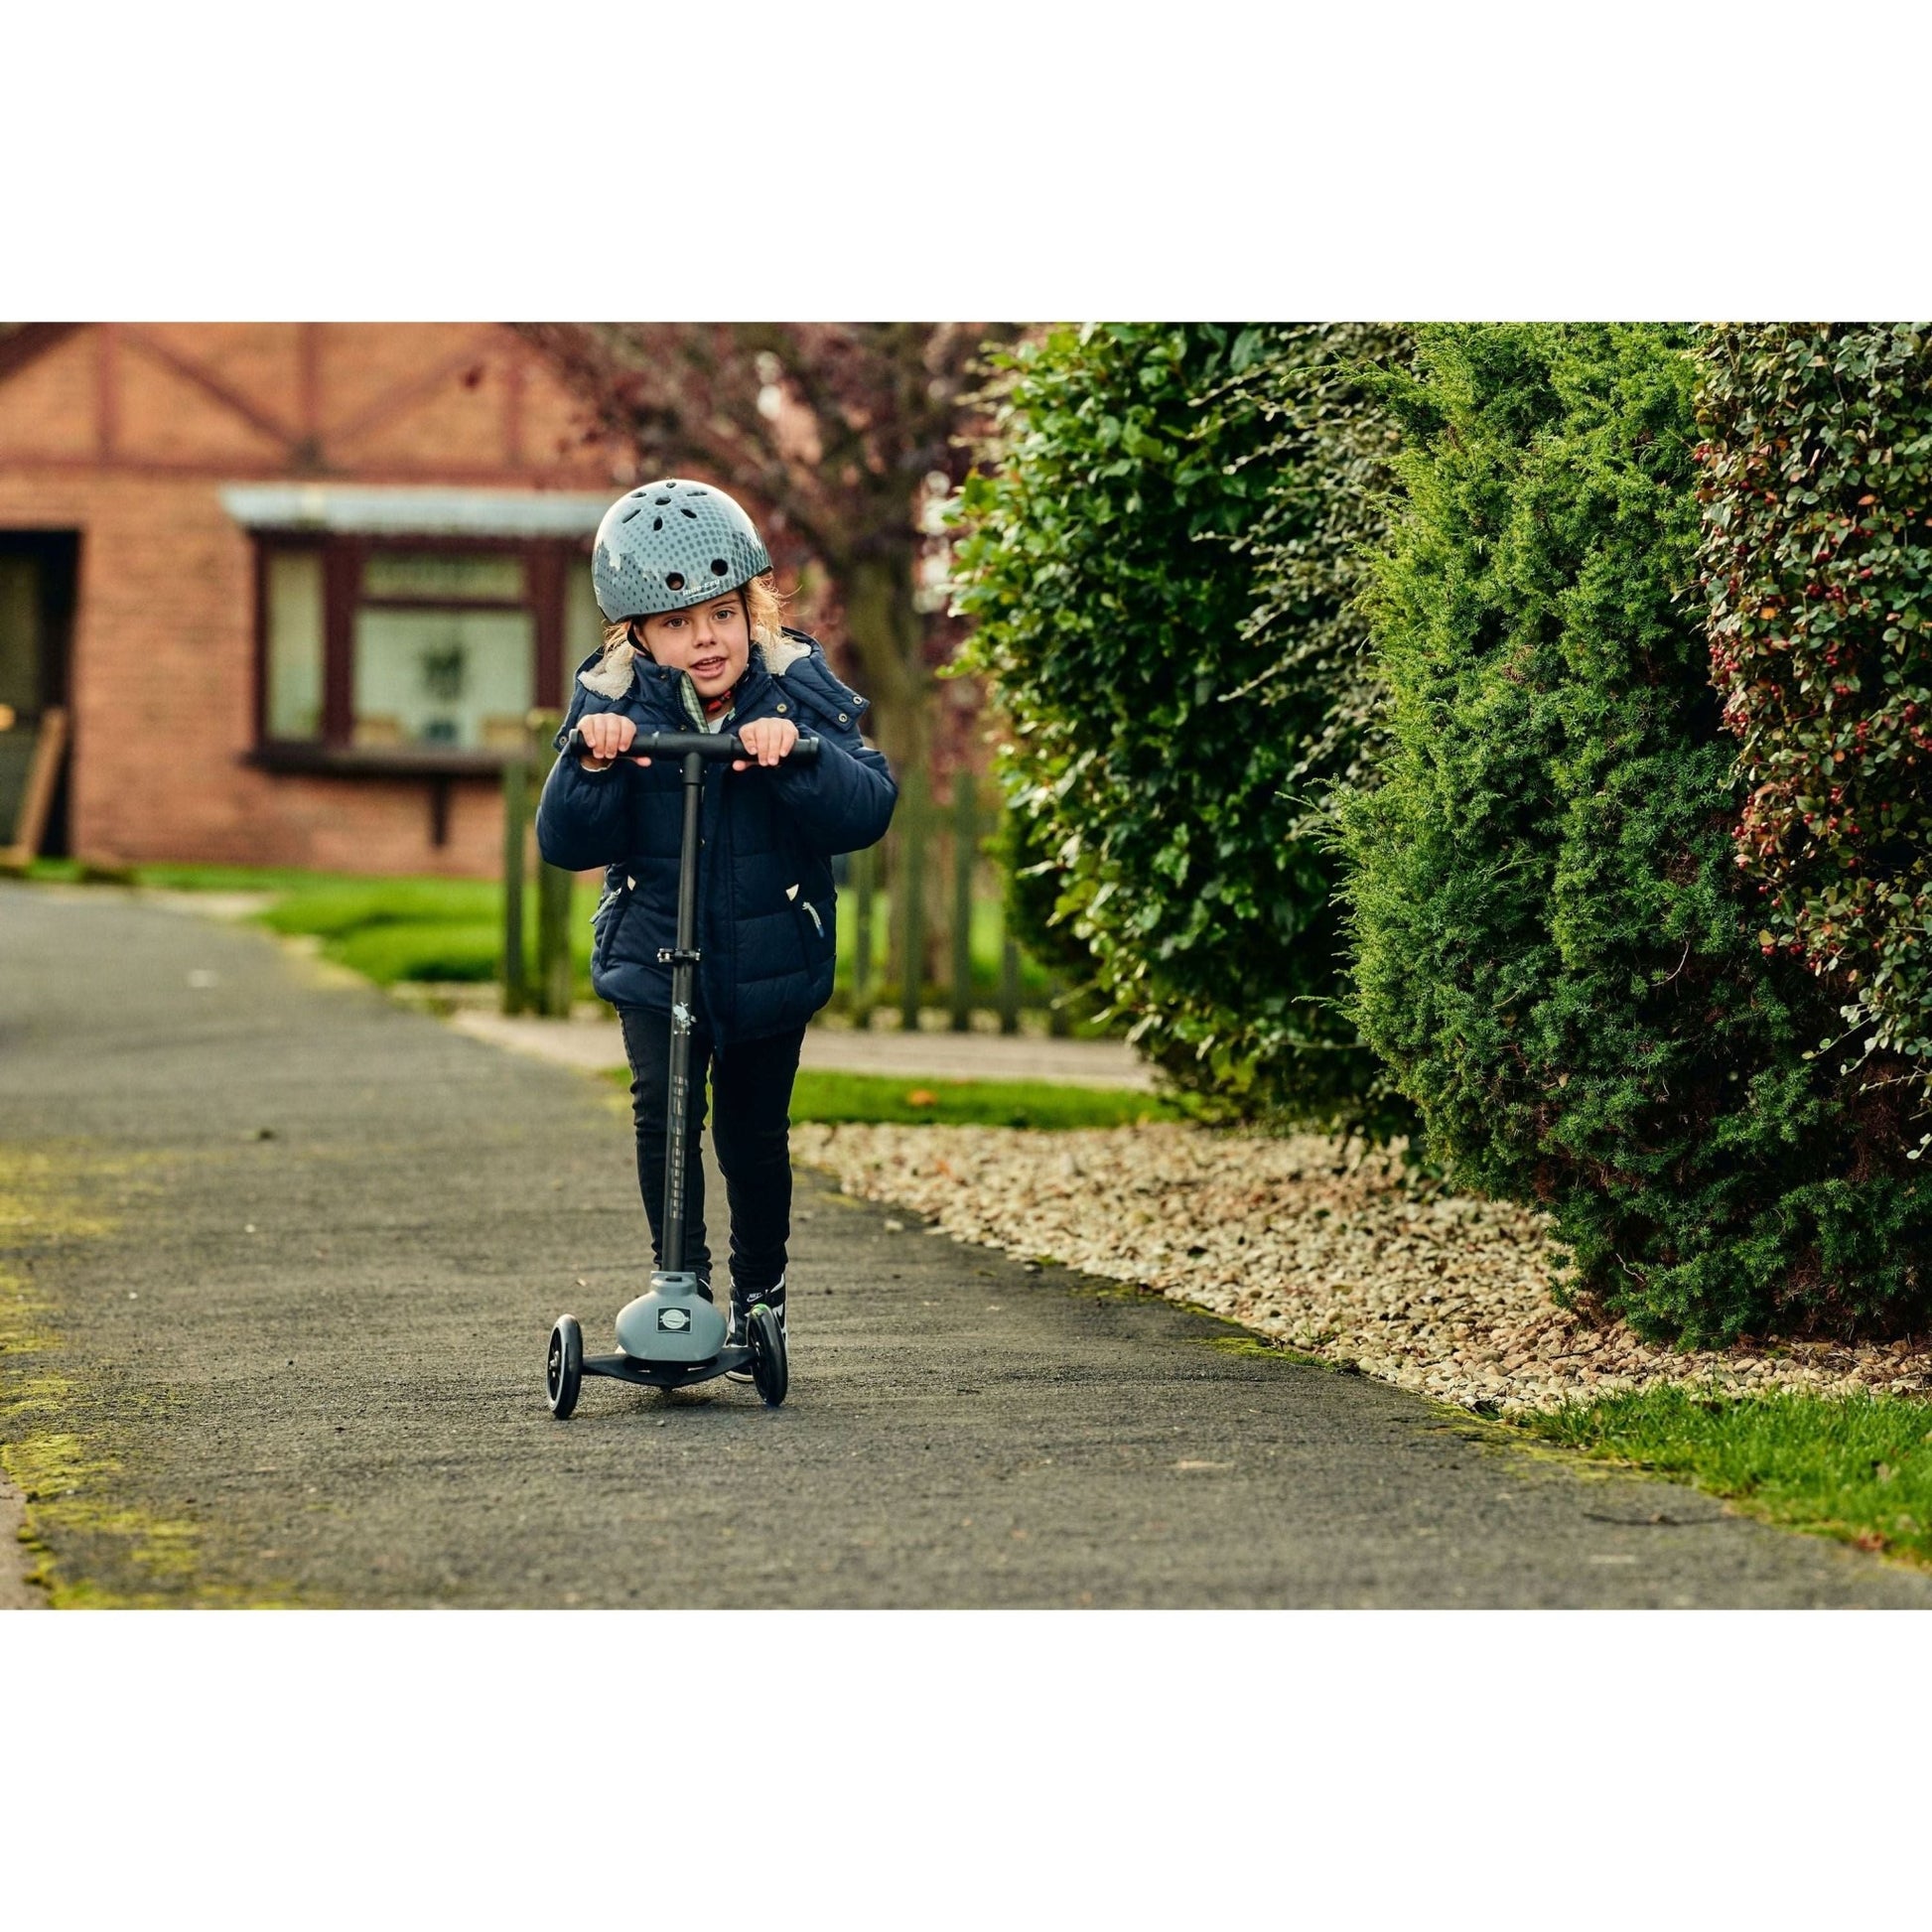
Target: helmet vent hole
column 663, row 500
column 674, row 580
column 718, row 566
column 629, row 514
column 683, row 511
column 656, row 522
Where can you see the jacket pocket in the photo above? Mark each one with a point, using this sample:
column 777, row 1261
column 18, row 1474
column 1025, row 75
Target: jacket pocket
column 610, row 909
column 814, row 929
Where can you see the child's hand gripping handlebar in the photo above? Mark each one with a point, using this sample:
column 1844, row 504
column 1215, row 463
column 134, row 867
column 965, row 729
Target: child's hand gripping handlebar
column 678, row 744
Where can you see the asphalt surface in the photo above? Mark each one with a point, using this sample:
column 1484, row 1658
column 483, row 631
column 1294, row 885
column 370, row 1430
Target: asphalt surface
column 312, row 1335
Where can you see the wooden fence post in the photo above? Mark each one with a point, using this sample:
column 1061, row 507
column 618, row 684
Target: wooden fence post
column 863, row 867
column 908, row 884
column 516, row 828
column 553, row 976
column 963, row 856
column 1009, row 986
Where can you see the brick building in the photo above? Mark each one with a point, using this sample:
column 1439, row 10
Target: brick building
column 296, row 583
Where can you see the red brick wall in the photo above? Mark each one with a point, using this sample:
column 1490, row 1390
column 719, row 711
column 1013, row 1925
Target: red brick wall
column 103, row 434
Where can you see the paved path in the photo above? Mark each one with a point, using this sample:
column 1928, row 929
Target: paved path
column 592, row 1041
column 328, row 1388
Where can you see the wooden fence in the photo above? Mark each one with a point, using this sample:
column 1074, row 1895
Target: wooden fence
column 910, row 898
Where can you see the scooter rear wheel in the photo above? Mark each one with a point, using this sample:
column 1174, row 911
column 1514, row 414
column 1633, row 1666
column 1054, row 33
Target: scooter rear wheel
column 771, row 1373
column 563, row 1370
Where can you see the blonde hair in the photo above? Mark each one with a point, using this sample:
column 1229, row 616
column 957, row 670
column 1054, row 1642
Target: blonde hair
column 764, row 615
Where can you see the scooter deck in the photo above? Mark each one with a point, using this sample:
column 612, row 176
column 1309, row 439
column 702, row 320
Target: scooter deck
column 668, row 1375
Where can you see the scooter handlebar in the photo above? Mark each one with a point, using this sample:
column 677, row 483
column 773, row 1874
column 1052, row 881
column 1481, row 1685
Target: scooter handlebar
column 707, row 744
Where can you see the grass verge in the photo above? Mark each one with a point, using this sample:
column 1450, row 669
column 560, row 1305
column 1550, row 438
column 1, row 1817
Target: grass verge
column 390, row 929
column 824, row 1096
column 894, row 1100
column 1858, row 1467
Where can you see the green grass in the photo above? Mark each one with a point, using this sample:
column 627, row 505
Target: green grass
column 333, row 907
column 175, row 878
column 827, row 1096
column 391, row 929
column 1858, row 1467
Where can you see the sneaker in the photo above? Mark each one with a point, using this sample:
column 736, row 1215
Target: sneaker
column 742, row 1305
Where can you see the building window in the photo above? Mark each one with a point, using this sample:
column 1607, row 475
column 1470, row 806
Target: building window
column 418, row 648
column 296, row 617
column 445, row 651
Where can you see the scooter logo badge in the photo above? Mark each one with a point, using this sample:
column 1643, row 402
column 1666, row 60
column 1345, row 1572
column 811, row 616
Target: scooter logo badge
column 675, row 1318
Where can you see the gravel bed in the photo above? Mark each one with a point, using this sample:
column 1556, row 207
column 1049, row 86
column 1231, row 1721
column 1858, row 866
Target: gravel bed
column 1320, row 1244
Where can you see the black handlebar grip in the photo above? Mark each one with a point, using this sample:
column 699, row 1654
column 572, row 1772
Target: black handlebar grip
column 707, row 744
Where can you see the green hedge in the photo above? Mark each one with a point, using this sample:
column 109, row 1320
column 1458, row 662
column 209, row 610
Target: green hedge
column 1330, row 474
column 1817, row 484
column 1159, row 600
column 1557, row 953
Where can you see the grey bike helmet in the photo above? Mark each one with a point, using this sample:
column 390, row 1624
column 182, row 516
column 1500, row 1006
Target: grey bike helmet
column 670, row 545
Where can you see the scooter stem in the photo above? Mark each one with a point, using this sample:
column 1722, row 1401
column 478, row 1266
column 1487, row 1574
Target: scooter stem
column 684, row 961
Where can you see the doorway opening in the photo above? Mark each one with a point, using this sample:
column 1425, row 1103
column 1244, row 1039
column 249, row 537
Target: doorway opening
column 39, row 576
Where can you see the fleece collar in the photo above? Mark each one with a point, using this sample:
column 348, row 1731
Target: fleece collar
column 613, row 675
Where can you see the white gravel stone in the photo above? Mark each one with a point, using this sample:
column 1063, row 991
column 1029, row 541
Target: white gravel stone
column 1324, row 1245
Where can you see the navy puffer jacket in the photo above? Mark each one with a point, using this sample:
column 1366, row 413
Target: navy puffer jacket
column 767, row 936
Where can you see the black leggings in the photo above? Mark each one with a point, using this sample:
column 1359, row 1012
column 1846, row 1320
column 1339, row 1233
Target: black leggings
column 752, row 1131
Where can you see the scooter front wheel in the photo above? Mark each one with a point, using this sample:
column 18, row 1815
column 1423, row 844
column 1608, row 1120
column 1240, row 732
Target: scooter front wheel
column 771, row 1373
column 563, row 1370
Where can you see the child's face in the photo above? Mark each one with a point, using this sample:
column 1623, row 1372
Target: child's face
column 712, row 642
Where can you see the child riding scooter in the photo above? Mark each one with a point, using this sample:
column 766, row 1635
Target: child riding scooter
column 730, row 821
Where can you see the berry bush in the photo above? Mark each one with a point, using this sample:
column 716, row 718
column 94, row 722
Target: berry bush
column 1816, row 477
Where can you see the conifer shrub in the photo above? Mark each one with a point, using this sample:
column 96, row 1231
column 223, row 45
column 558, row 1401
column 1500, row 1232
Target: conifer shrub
column 1328, row 471
column 1159, row 610
column 1817, row 488
column 1556, row 951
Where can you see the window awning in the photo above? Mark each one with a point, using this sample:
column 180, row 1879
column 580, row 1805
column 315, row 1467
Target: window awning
column 414, row 512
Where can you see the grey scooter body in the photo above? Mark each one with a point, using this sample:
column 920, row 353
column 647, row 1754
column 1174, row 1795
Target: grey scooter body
column 674, row 1335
